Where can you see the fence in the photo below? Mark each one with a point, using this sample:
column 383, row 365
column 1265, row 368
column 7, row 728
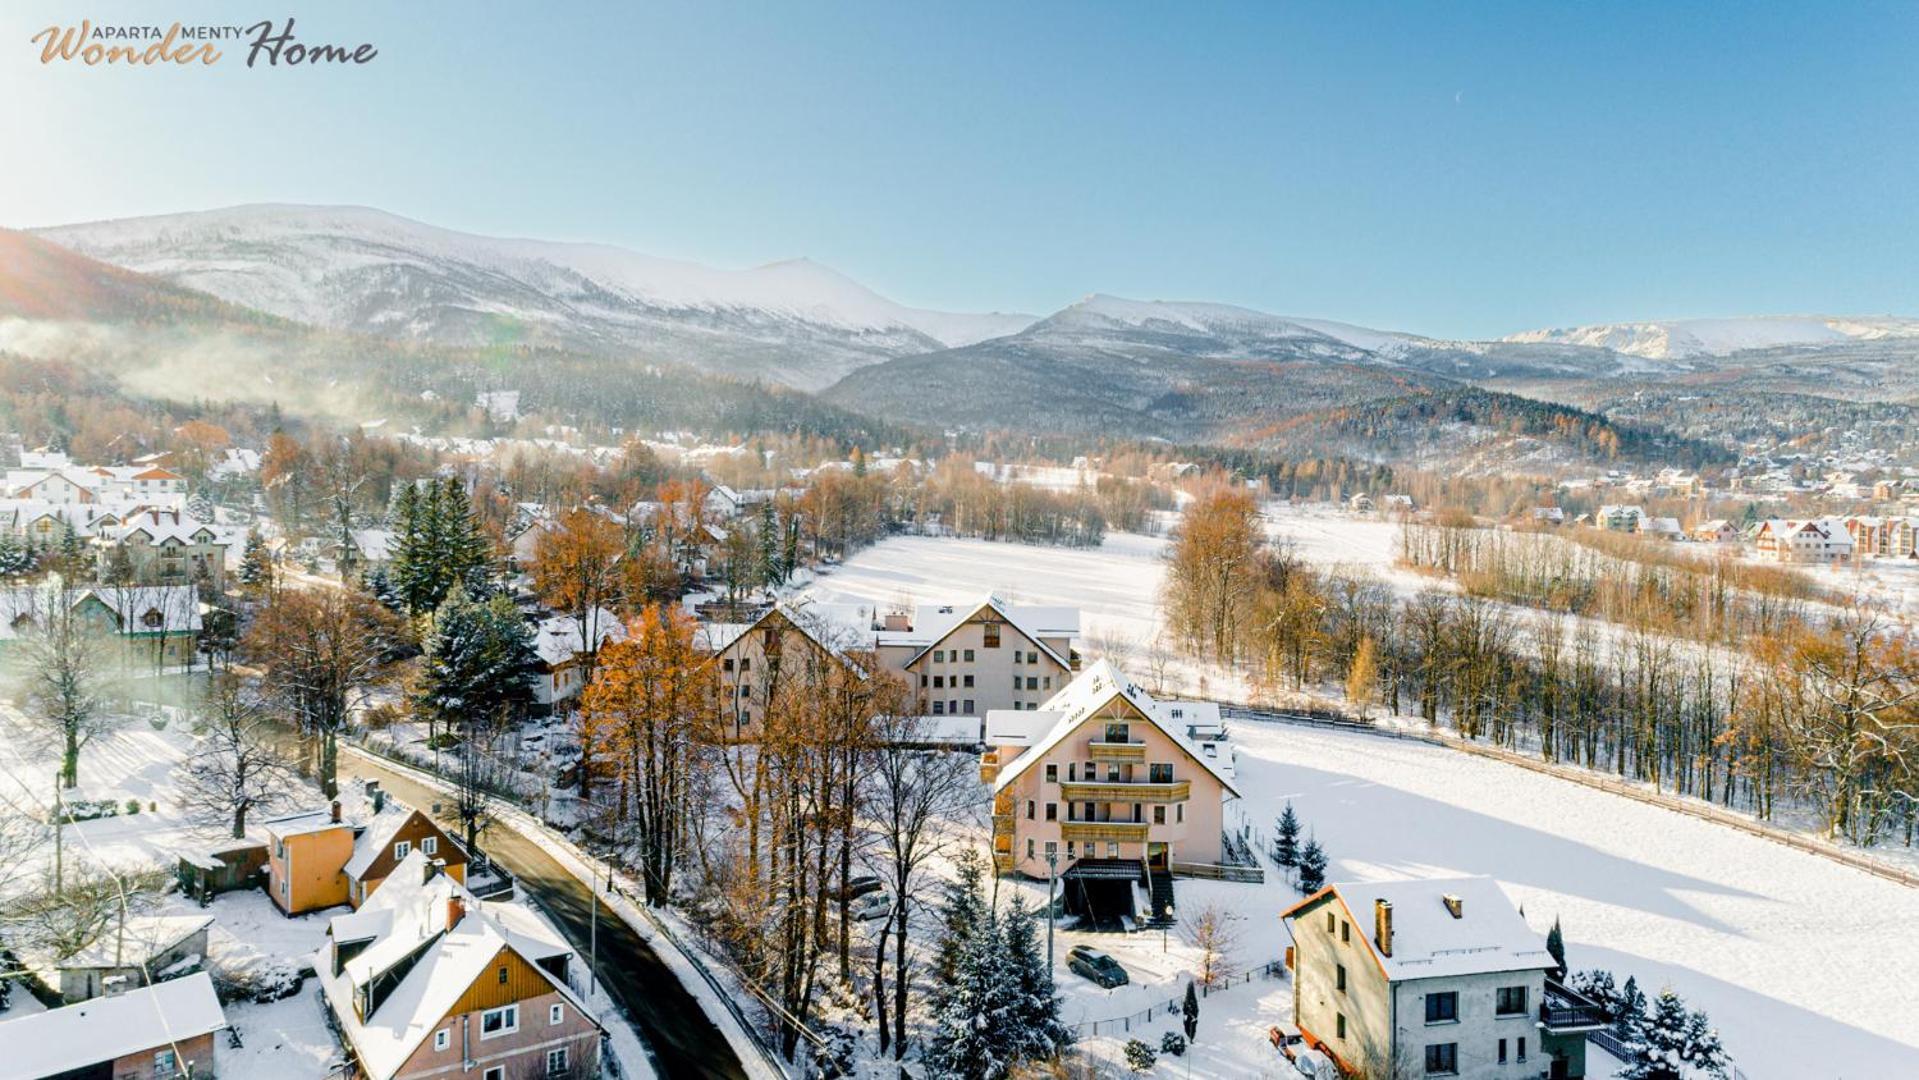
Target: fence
column 1121, row 1025
column 1221, row 872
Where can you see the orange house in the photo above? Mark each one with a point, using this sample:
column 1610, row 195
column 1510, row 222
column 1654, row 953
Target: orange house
column 325, row 858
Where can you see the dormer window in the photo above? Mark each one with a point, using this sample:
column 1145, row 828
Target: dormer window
column 153, row 620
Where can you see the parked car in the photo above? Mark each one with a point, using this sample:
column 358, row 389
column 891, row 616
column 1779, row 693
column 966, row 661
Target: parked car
column 1315, row 1064
column 860, row 886
column 871, row 906
column 1097, row 966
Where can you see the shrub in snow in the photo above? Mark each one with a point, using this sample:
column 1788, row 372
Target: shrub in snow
column 276, row 980
column 833, row 1057
column 1139, row 1056
column 133, row 806
column 1172, row 1043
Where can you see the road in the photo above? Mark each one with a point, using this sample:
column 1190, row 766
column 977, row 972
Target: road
column 683, row 1040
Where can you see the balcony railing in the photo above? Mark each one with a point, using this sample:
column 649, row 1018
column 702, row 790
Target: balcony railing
column 1002, row 824
column 1101, row 750
column 1103, row 830
column 1562, row 1009
column 1125, row 791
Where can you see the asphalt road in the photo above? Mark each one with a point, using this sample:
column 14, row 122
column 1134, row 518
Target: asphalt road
column 683, row 1041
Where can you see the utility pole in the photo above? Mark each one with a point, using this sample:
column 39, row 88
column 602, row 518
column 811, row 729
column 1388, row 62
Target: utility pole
column 1052, row 872
column 58, row 832
column 593, row 954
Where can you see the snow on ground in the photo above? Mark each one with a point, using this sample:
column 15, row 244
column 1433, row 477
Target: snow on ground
column 1802, row 963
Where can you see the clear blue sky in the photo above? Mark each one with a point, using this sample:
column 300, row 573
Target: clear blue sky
column 1458, row 169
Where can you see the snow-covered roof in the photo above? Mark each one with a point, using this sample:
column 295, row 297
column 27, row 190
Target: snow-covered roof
column 1429, row 940
column 933, row 623
column 557, row 638
column 376, row 837
column 1091, row 691
column 177, row 607
column 143, row 938
column 408, row 910
column 105, row 1028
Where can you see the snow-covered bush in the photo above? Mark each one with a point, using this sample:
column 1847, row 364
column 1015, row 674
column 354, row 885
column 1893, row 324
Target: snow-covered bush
column 1173, row 1043
column 1139, row 1056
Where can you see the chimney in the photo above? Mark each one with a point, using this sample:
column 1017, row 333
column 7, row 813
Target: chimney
column 1455, row 905
column 333, row 811
column 455, row 910
column 1383, row 926
column 434, row 868
column 375, row 793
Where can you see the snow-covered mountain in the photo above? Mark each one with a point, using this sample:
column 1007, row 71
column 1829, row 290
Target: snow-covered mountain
column 354, row 268
column 1205, row 329
column 1682, row 339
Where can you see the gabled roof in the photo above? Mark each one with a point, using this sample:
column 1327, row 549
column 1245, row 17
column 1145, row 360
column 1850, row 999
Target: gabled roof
column 376, row 837
column 796, row 618
column 557, row 638
column 105, row 1028
column 409, row 916
column 143, row 938
column 1428, row 940
column 1091, row 691
column 1005, row 612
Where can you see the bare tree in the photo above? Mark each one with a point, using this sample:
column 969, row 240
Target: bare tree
column 1214, row 931
column 910, row 793
column 61, row 918
column 320, row 647
column 238, row 767
column 62, row 654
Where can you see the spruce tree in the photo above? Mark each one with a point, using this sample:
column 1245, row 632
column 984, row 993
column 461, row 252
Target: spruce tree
column 256, row 566
column 768, row 537
column 1703, row 1050
column 1189, row 1012
column 1658, row 1053
column 1037, row 1027
column 962, row 912
column 1556, row 947
column 16, row 558
column 1286, row 839
column 200, row 508
column 975, row 1015
column 1312, row 867
column 1629, row 1012
column 477, row 664
column 790, row 557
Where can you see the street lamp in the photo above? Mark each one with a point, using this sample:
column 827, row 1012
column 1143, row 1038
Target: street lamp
column 1052, row 874
column 1165, row 920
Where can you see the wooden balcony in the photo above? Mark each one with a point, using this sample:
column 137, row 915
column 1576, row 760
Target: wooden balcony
column 1103, row 830
column 988, row 767
column 1101, row 750
column 1002, row 862
column 1122, row 792
column 1002, row 824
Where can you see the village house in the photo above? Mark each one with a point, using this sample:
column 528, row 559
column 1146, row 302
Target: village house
column 956, row 660
column 1432, row 978
column 1619, row 518
column 165, row 547
column 1902, row 539
column 1818, row 541
column 1360, row 503
column 1549, row 515
column 1716, row 531
column 143, row 950
column 1662, row 528
column 425, row 979
column 559, row 671
column 1871, row 535
column 1101, row 786
column 159, row 1032
column 749, row 658
column 340, row 855
column 154, row 624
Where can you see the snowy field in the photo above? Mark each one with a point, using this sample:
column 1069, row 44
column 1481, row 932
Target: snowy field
column 1803, row 964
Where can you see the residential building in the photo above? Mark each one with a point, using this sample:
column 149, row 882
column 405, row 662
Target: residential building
column 1102, row 786
column 340, row 855
column 156, row 624
column 1716, row 531
column 750, row 658
column 142, row 950
column 1871, row 535
column 1902, row 539
column 1432, row 978
column 165, row 547
column 1817, row 541
column 1663, row 528
column 1548, row 515
column 1619, row 518
column 1360, row 503
column 425, row 980
column 560, row 673
column 159, row 1032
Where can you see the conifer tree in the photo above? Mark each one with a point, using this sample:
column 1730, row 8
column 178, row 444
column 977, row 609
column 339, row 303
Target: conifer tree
column 256, row 566
column 1629, row 1012
column 16, row 558
column 1189, row 1012
column 1658, row 1053
column 1286, row 839
column 1556, row 947
column 478, row 662
column 962, row 912
column 770, row 571
column 1037, row 1025
column 1312, row 867
column 790, row 557
column 200, row 508
column 1703, row 1050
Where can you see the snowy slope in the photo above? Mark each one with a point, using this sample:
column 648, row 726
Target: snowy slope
column 1679, row 339
column 356, row 268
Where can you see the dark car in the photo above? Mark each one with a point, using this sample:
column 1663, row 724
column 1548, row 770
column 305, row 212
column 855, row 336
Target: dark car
column 860, row 886
column 1097, row 966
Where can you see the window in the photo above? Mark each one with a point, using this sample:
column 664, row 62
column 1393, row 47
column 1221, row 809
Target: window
column 1510, row 1001
column 1339, row 977
column 497, row 1072
column 1052, row 849
column 1332, row 922
column 1179, row 812
column 501, row 1021
column 1072, row 772
column 556, row 1060
column 165, row 1063
column 991, row 632
column 402, row 849
column 1029, row 809
column 153, row 619
column 1159, row 815
column 746, row 663
column 969, row 656
column 939, row 708
column 1442, row 1008
column 1016, row 682
column 1112, row 849
column 939, row 656
column 967, row 680
column 1069, row 849
column 1160, row 772
column 1052, row 811
column 556, row 1014
column 1032, row 658
column 1502, row 1051
column 1112, row 773
column 1522, row 1048
column 1442, row 1059
column 969, row 706
column 1052, row 775
column 726, row 664
column 1029, row 847
column 1032, row 682
column 1046, row 683
column 430, row 845
column 1340, row 1028
column 442, row 1038
column 503, row 975
column 1016, row 656
column 939, row 682
column 1118, row 733
column 1345, row 932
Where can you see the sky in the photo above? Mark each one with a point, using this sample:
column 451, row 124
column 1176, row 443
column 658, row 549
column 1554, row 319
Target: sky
column 1454, row 169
